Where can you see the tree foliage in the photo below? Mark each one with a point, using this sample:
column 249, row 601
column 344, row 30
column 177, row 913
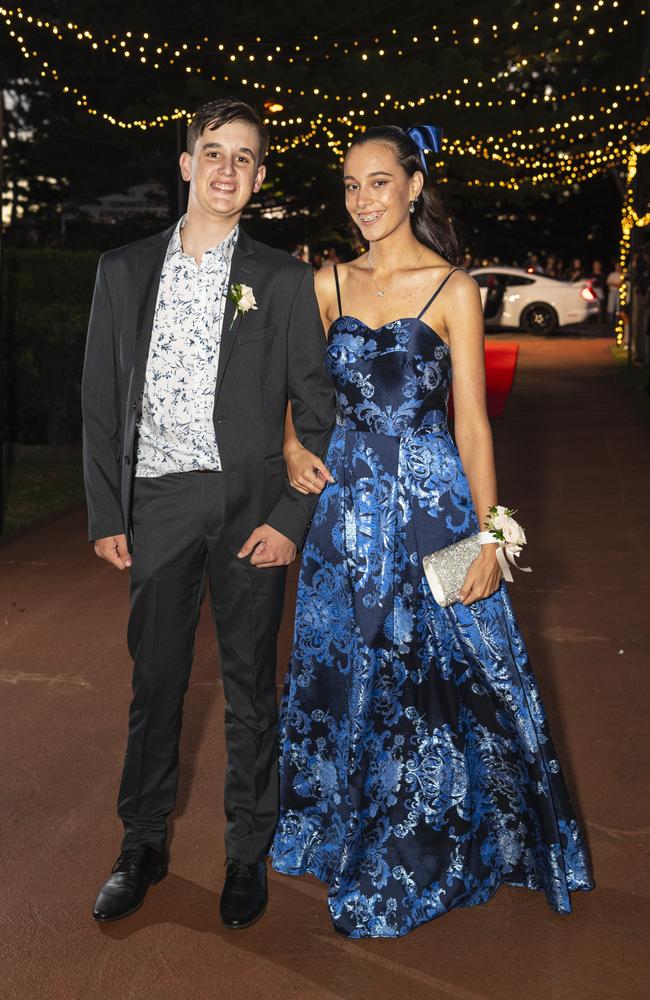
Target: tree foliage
column 57, row 154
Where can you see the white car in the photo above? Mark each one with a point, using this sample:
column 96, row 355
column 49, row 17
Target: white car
column 525, row 300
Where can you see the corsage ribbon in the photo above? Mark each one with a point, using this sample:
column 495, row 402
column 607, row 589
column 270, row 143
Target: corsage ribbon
column 507, row 552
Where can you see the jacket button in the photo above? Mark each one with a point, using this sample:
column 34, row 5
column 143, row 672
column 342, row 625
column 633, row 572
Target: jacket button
column 127, row 460
column 133, row 404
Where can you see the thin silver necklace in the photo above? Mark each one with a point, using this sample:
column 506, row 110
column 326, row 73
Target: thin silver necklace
column 382, row 291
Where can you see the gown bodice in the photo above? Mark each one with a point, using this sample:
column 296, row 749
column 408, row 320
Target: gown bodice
column 388, row 380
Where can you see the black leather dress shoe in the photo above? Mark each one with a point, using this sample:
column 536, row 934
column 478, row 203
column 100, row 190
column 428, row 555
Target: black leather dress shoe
column 133, row 872
column 244, row 895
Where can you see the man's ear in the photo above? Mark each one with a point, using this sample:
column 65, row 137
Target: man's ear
column 185, row 164
column 259, row 178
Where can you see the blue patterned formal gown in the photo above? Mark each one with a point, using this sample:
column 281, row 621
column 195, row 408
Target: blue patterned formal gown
column 417, row 772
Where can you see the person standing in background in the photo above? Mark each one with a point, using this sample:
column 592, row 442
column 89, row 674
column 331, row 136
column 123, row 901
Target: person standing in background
column 533, row 265
column 599, row 285
column 553, row 267
column 576, row 271
column 614, row 279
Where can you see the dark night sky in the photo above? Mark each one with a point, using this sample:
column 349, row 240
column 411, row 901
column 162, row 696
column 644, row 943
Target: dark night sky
column 84, row 157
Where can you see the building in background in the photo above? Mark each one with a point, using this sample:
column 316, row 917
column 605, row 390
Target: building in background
column 148, row 199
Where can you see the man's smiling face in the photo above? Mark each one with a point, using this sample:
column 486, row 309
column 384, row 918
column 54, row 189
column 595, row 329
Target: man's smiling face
column 224, row 170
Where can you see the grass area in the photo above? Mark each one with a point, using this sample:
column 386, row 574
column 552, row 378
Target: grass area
column 620, row 353
column 41, row 485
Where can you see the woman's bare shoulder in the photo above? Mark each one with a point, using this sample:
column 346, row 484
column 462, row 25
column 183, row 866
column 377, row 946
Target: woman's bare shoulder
column 461, row 299
column 325, row 281
column 463, row 281
column 325, row 286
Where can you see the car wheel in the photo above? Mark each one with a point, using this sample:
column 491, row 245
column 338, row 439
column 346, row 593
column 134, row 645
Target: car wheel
column 539, row 318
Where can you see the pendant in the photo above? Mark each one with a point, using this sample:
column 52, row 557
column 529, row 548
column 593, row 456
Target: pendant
column 380, row 294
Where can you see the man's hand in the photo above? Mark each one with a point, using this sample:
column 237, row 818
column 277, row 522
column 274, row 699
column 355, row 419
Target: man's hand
column 269, row 548
column 114, row 550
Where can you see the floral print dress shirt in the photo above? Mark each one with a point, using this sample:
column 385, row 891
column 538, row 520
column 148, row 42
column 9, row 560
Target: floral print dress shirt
column 176, row 430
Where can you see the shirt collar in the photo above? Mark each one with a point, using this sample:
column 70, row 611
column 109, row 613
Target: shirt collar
column 224, row 249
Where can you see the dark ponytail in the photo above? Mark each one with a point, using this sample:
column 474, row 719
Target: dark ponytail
column 430, row 222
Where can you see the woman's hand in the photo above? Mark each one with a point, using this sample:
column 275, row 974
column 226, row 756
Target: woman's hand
column 483, row 576
column 306, row 472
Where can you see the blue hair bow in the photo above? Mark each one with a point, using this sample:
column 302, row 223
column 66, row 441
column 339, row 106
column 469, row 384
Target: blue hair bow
column 426, row 137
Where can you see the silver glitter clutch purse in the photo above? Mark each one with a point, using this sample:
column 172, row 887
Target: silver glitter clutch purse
column 446, row 569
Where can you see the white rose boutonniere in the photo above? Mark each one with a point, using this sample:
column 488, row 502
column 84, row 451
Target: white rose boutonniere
column 510, row 536
column 244, row 299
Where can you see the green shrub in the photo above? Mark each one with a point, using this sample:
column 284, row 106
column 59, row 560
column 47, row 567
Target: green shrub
column 47, row 296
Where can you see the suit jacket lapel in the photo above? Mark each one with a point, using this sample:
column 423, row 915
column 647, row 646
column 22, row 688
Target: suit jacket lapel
column 240, row 273
column 151, row 260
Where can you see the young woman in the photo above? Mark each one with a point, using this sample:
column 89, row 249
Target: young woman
column 417, row 773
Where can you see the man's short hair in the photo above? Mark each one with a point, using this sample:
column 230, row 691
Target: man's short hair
column 214, row 114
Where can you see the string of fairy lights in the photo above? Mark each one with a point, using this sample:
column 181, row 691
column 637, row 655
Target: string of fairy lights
column 630, row 219
column 541, row 154
column 495, row 149
column 17, row 20
column 146, row 46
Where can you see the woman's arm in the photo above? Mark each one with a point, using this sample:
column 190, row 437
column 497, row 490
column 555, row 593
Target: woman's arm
column 306, row 472
column 312, row 407
column 464, row 322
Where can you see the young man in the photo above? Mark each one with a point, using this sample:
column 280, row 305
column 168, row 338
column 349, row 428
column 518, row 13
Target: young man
column 184, row 397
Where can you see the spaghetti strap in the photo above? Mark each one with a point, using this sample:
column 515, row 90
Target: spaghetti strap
column 439, row 289
column 338, row 290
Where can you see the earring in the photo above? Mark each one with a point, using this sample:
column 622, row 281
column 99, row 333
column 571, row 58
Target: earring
column 412, row 205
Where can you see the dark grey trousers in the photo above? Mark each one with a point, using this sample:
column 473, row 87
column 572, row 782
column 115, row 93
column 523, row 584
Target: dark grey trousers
column 181, row 541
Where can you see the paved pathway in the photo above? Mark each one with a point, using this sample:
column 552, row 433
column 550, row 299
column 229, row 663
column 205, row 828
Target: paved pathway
column 573, row 455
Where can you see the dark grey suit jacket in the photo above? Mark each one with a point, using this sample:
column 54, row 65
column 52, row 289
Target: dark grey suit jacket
column 267, row 356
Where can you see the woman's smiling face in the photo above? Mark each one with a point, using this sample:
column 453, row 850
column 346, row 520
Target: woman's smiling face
column 377, row 189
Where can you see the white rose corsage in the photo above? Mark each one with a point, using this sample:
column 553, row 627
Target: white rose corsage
column 502, row 528
column 244, row 299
